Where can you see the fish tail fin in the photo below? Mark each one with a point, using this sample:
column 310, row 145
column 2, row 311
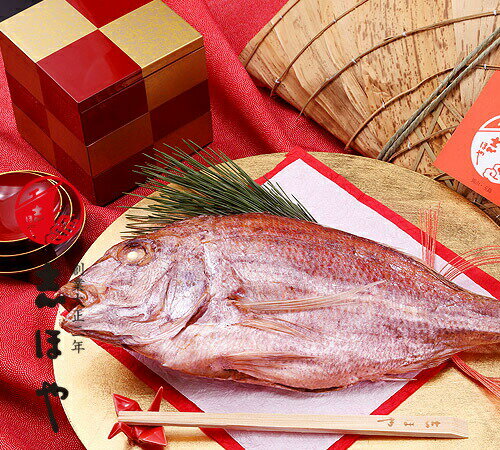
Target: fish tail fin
column 484, row 338
column 477, row 257
column 490, row 383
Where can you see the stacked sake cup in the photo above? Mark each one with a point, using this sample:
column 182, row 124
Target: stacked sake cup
column 18, row 251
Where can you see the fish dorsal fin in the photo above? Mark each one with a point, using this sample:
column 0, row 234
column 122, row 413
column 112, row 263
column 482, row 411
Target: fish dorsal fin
column 304, row 304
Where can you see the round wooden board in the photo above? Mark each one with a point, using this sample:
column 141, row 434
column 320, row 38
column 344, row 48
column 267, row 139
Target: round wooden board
column 92, row 376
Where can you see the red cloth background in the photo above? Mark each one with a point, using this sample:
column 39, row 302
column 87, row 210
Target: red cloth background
column 246, row 122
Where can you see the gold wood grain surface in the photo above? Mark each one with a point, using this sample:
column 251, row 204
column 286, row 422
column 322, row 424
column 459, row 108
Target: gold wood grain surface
column 92, row 376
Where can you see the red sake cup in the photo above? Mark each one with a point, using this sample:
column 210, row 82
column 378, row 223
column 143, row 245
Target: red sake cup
column 18, row 253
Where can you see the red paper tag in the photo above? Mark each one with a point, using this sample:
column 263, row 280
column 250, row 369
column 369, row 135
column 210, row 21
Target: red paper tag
column 472, row 155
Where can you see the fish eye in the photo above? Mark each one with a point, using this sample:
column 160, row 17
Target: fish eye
column 136, row 253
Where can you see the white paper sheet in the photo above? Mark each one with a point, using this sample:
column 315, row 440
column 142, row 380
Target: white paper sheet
column 334, row 207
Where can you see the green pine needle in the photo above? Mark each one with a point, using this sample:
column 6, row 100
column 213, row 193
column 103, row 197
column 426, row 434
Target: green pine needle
column 215, row 185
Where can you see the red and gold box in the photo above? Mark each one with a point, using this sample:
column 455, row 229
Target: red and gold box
column 97, row 84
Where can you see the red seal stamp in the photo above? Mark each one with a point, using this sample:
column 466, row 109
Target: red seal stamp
column 485, row 150
column 49, row 213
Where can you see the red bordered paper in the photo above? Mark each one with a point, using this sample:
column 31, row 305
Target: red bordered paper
column 182, row 403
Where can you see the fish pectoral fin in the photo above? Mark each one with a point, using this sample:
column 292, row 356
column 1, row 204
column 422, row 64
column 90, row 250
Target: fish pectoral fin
column 388, row 378
column 304, row 304
column 279, row 326
column 259, row 365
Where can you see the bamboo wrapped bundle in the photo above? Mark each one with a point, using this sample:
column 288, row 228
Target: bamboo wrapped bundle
column 362, row 68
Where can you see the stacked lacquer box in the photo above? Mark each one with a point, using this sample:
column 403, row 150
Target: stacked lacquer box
column 97, row 84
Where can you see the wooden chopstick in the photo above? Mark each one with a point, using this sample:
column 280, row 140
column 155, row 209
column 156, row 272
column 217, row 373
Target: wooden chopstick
column 415, row 426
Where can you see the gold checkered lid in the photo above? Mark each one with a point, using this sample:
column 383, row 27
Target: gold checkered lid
column 93, row 48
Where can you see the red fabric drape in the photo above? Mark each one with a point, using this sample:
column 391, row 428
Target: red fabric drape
column 246, row 122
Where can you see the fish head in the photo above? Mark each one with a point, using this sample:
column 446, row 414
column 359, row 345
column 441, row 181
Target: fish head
column 122, row 295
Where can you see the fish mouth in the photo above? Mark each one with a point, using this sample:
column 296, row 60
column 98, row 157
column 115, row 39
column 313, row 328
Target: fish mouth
column 73, row 296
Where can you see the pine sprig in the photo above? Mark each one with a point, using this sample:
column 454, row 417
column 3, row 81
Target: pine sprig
column 210, row 184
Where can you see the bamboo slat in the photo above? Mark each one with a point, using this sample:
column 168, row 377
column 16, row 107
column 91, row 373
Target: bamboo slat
column 361, row 68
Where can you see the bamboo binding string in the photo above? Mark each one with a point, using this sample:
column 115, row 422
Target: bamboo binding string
column 280, row 79
column 399, row 96
column 421, row 141
column 387, row 103
column 457, row 74
column 386, row 42
column 426, row 148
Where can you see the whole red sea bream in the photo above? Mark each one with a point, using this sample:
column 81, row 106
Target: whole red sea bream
column 276, row 301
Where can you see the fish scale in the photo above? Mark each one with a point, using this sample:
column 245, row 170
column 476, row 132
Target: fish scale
column 275, row 301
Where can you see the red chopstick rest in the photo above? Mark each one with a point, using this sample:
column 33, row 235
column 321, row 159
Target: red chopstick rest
column 139, row 434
